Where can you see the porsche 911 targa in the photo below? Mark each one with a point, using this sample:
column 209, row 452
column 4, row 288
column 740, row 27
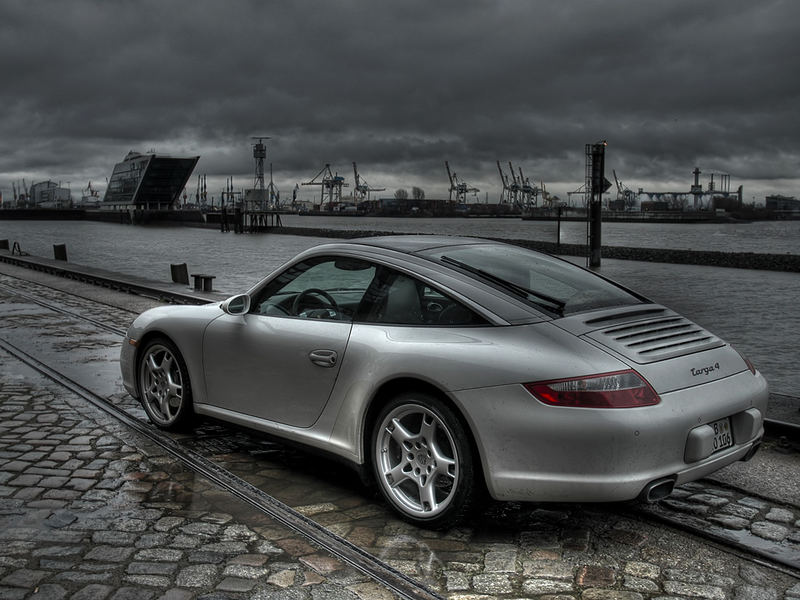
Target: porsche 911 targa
column 444, row 367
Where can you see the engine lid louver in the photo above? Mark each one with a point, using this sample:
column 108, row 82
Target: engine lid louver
column 651, row 340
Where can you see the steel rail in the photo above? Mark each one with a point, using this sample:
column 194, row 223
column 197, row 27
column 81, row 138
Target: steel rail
column 399, row 583
column 58, row 289
column 786, row 561
column 64, row 311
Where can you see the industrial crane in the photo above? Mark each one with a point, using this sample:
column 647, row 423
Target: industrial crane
column 505, row 195
column 581, row 191
column 362, row 188
column 460, row 188
column 516, row 188
column 546, row 198
column 273, row 192
column 625, row 195
column 330, row 184
column 529, row 192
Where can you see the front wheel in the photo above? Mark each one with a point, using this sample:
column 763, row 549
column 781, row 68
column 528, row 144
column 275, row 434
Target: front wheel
column 423, row 461
column 164, row 385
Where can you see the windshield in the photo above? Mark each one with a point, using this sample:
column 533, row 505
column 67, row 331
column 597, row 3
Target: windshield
column 553, row 285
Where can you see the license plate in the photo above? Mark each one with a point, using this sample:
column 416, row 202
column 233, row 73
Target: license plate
column 723, row 436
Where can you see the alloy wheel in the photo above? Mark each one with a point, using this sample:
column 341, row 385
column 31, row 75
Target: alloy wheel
column 161, row 384
column 417, row 461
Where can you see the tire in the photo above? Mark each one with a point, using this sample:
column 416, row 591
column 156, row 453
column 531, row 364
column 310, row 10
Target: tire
column 422, row 460
column 164, row 386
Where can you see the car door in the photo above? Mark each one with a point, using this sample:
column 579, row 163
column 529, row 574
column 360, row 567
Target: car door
column 280, row 360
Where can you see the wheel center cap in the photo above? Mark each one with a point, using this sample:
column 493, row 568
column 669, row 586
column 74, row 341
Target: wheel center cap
column 422, row 459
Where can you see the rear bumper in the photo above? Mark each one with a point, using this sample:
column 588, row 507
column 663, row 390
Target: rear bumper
column 533, row 452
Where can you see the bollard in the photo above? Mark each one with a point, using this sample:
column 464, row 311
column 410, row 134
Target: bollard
column 202, row 282
column 3, row 244
column 180, row 273
column 60, row 251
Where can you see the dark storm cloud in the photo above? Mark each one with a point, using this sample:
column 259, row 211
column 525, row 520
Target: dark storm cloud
column 401, row 87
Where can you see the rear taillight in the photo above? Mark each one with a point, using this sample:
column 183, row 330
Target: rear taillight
column 746, row 360
column 622, row 389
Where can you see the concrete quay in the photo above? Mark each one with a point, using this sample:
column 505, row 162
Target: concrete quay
column 91, row 509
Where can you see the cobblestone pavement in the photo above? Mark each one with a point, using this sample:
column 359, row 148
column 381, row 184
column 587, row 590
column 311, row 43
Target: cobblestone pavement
column 89, row 510
column 556, row 552
column 736, row 516
column 526, row 550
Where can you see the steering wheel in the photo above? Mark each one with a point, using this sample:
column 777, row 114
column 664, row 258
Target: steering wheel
column 298, row 301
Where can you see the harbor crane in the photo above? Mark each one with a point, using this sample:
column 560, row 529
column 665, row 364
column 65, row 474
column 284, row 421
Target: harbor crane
column 625, row 195
column 330, row 185
column 273, row 193
column 459, row 187
column 362, row 189
column 529, row 192
column 516, row 188
column 511, row 188
column 581, row 191
column 505, row 194
column 547, row 199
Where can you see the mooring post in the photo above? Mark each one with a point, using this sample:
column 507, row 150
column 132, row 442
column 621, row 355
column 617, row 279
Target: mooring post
column 558, row 231
column 179, row 273
column 596, row 184
column 60, row 252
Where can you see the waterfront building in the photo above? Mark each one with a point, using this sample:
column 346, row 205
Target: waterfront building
column 780, row 203
column 148, row 181
column 49, row 194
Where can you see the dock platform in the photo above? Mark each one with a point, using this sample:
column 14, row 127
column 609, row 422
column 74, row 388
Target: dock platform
column 164, row 291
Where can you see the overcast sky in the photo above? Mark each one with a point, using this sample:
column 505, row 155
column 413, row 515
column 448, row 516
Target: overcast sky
column 402, row 86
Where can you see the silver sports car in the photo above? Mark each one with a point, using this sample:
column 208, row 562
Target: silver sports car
column 444, row 367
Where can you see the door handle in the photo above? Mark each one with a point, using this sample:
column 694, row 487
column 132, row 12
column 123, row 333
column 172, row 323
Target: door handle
column 323, row 358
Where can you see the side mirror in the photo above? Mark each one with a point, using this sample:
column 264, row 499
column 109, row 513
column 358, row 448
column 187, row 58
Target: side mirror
column 236, row 305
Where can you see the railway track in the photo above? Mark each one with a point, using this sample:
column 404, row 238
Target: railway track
column 785, row 558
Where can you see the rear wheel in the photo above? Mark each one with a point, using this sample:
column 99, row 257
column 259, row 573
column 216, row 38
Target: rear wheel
column 164, row 385
column 423, row 461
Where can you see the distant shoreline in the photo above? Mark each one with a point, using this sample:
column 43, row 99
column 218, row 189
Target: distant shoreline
column 735, row 260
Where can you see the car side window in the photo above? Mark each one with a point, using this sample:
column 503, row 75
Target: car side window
column 328, row 288
column 396, row 298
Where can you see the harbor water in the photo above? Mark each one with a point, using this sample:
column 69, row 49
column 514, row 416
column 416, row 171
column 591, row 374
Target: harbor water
column 754, row 310
column 767, row 237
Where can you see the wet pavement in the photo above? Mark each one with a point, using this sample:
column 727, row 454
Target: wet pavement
column 89, row 509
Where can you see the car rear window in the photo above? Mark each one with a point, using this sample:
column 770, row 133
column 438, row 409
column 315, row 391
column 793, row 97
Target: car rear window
column 553, row 285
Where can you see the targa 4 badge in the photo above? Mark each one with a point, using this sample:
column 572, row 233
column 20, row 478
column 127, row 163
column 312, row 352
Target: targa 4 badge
column 705, row 370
